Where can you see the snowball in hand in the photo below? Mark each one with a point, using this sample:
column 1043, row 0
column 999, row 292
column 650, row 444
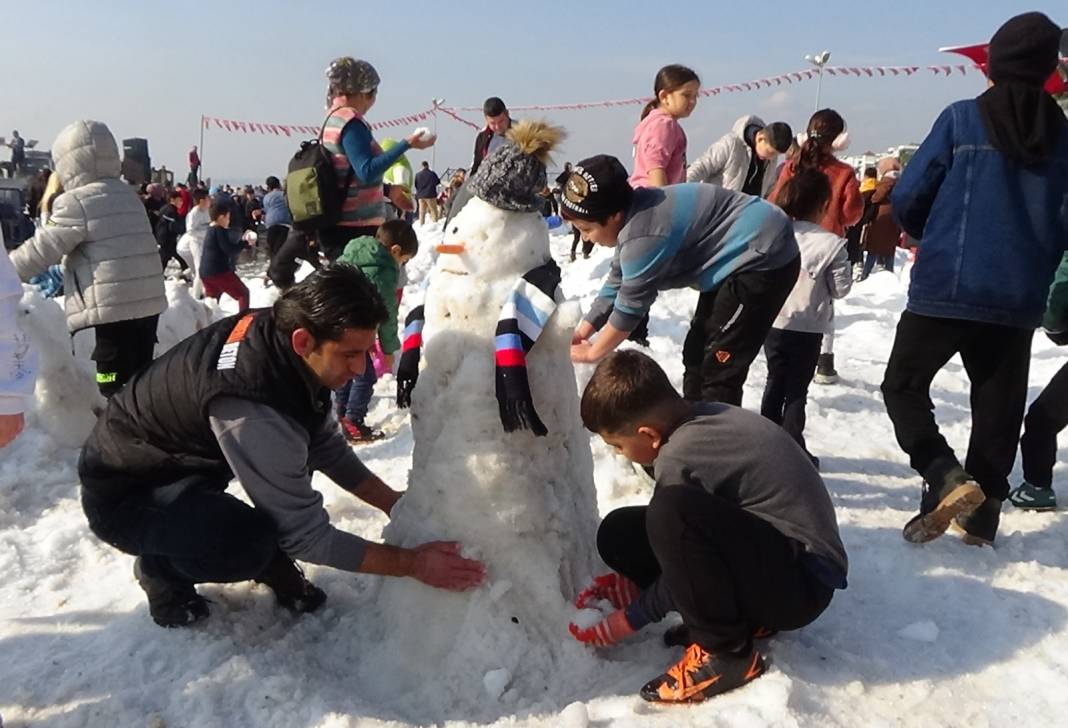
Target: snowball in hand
column 425, row 134
column 586, row 618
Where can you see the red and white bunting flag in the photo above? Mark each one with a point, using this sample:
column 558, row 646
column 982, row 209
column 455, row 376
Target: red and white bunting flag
column 226, row 125
column 206, row 121
column 241, row 126
column 868, row 71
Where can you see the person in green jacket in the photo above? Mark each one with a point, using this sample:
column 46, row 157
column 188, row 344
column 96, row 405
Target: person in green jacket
column 1048, row 414
column 399, row 177
column 380, row 259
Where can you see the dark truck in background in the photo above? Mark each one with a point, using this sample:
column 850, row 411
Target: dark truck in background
column 16, row 224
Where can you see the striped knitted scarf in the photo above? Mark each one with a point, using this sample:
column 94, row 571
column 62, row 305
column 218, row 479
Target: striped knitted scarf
column 522, row 320
column 523, row 317
column 408, row 367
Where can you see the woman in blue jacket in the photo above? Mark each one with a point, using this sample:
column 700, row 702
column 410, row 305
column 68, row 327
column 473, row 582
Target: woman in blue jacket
column 987, row 196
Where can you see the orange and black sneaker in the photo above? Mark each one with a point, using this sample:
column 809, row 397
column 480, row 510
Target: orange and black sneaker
column 700, row 675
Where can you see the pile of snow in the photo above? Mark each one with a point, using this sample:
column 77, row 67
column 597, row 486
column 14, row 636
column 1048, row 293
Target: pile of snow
column 940, row 634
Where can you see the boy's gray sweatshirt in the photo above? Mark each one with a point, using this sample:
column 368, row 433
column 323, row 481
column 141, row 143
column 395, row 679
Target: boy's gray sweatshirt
column 273, row 458
column 751, row 462
column 688, row 235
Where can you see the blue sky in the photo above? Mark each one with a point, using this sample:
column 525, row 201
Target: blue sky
column 151, row 69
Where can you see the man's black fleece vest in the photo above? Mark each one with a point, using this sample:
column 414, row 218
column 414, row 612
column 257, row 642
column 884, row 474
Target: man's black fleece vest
column 156, row 431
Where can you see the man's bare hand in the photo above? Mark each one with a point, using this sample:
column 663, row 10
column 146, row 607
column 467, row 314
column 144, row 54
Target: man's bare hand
column 439, row 564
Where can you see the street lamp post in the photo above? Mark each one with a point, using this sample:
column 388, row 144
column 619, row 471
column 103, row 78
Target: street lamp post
column 434, row 149
column 819, row 61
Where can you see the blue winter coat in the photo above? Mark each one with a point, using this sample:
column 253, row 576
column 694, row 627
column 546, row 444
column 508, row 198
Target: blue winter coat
column 991, row 232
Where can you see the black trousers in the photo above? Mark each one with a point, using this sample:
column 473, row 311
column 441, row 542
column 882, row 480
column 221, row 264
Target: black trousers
column 792, row 357
column 122, row 349
column 727, row 571
column 1046, row 417
column 332, row 241
column 168, row 250
column 195, row 528
column 587, row 247
column 996, row 358
column 728, row 327
column 284, row 253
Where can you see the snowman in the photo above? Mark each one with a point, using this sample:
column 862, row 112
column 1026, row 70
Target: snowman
column 501, row 460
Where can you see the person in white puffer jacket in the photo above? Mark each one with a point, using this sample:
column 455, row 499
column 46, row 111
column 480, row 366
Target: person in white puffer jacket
column 113, row 281
column 743, row 159
column 792, row 347
column 18, row 362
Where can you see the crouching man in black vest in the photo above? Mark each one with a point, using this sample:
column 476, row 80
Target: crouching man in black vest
column 248, row 398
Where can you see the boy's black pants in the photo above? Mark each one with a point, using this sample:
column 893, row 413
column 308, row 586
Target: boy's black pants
column 792, row 357
column 284, row 248
column 996, row 358
column 727, row 330
column 1046, row 417
column 587, row 247
column 122, row 349
column 726, row 571
column 169, row 249
column 200, row 532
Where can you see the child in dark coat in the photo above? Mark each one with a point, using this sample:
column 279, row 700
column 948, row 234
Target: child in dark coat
column 218, row 269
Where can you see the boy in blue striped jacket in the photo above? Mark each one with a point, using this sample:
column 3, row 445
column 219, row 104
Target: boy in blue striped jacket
column 739, row 251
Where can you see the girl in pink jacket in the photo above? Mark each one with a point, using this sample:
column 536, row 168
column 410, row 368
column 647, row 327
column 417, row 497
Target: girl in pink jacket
column 659, row 141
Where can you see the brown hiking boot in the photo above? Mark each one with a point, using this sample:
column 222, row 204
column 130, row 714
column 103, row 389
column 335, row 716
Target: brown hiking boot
column 957, row 496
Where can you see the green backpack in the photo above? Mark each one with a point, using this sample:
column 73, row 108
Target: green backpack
column 312, row 190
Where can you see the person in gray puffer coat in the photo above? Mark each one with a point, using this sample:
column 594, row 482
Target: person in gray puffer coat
column 743, row 159
column 112, row 274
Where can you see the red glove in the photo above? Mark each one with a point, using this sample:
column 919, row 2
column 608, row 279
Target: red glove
column 619, row 590
column 605, row 633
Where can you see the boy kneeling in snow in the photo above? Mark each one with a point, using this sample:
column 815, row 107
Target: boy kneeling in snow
column 740, row 536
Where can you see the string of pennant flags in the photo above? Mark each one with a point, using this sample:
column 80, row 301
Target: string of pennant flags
column 289, row 130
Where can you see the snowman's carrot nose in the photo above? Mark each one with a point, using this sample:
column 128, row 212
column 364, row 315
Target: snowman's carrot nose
column 451, row 249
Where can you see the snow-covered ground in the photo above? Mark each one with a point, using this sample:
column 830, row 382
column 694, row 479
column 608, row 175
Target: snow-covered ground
column 942, row 634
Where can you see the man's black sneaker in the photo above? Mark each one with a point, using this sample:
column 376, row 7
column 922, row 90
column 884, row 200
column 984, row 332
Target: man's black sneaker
column 172, row 600
column 956, row 494
column 980, row 527
column 293, row 591
column 701, row 674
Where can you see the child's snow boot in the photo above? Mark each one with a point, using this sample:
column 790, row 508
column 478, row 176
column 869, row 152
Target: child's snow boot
column 290, row 587
column 1033, row 498
column 172, row 600
column 825, row 371
column 358, row 432
column 701, row 674
column 980, row 527
column 948, row 492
